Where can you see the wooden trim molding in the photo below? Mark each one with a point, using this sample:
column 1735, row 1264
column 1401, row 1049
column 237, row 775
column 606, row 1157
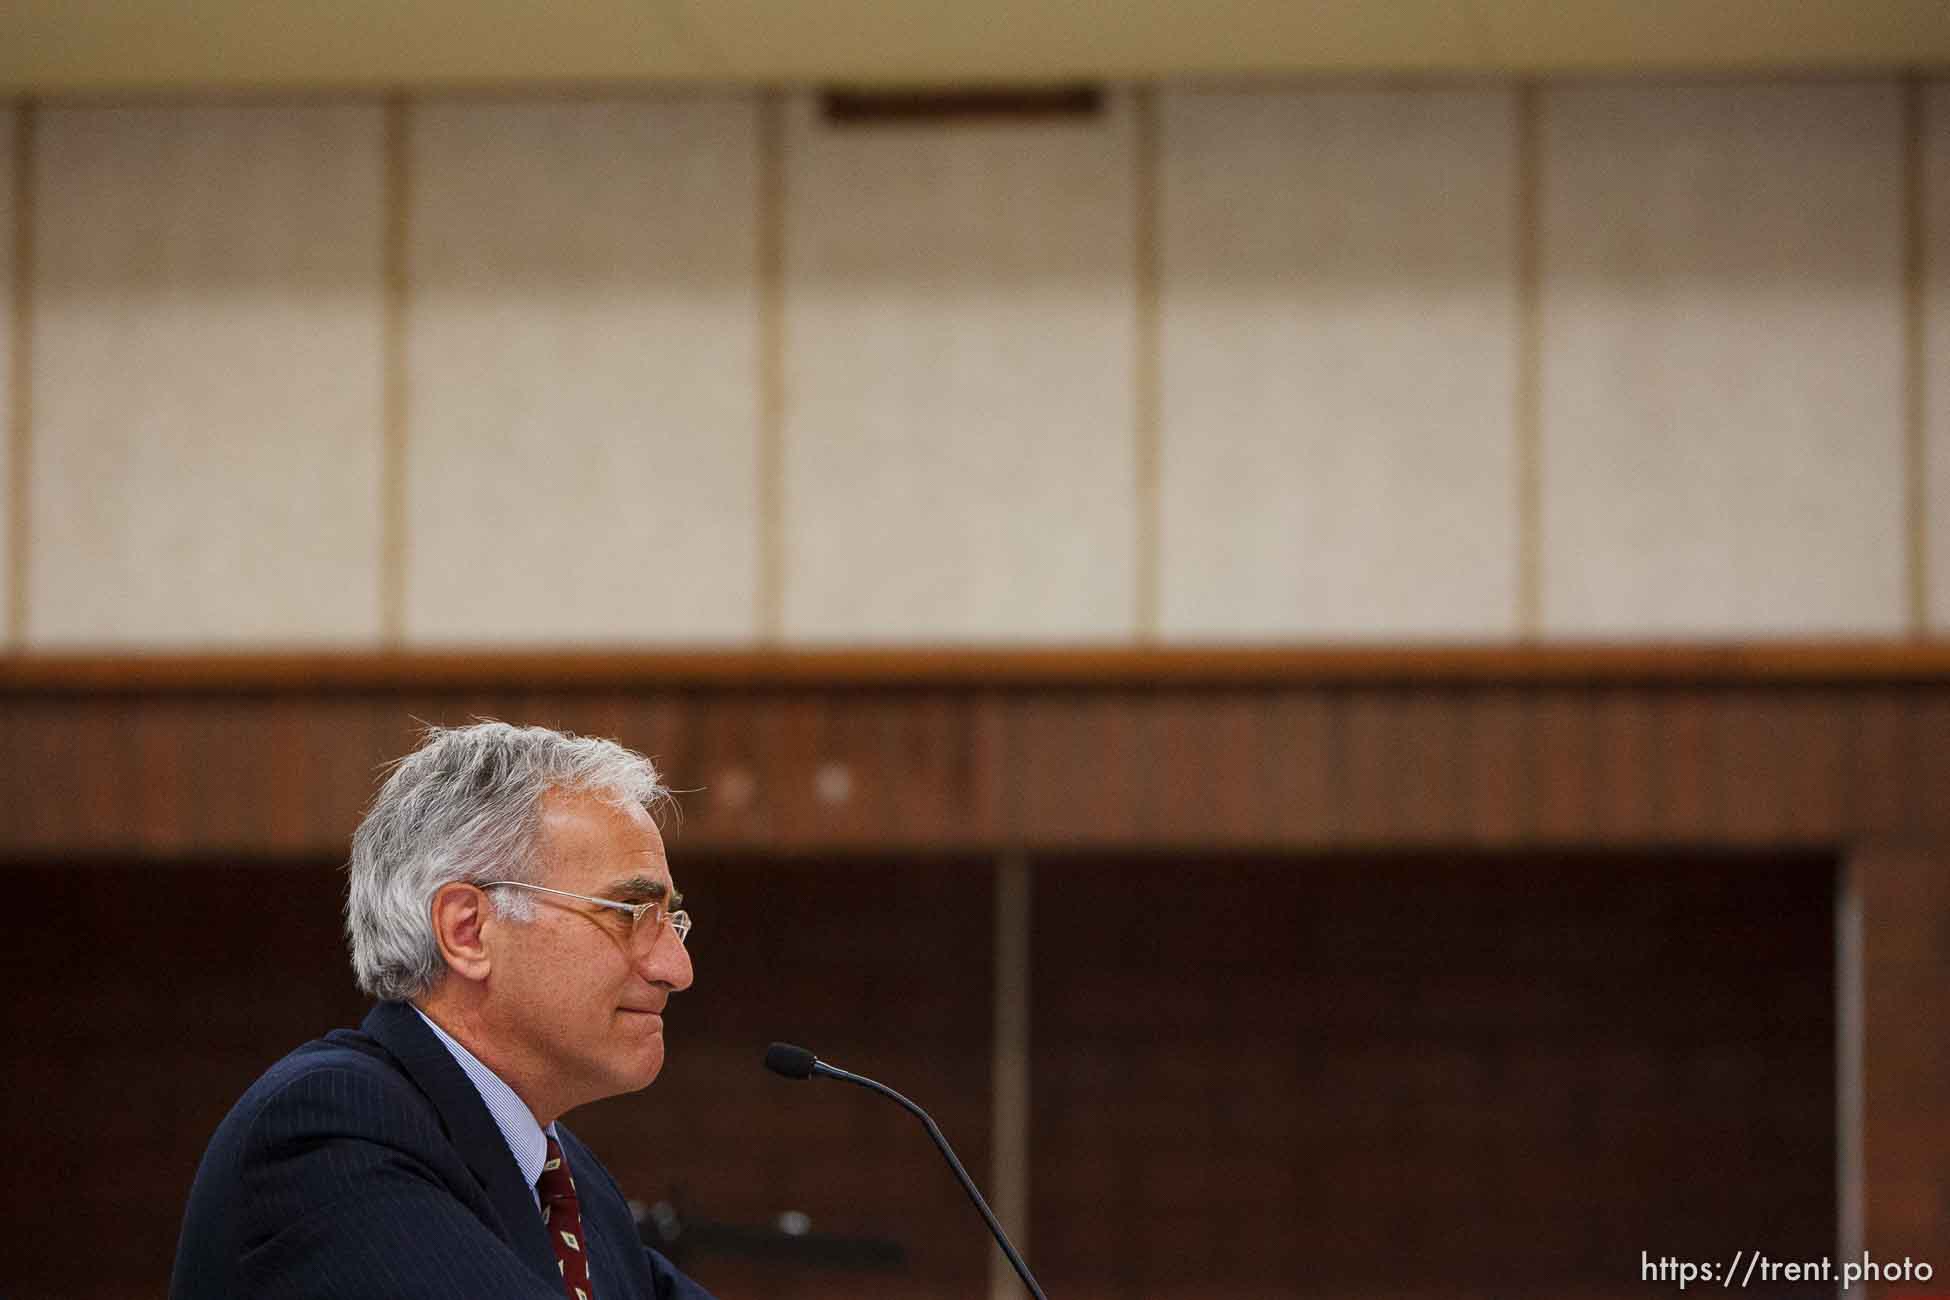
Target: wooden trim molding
column 1784, row 663
column 991, row 751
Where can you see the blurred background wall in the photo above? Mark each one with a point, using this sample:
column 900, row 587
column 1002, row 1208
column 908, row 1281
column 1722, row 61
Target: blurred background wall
column 1482, row 363
column 1319, row 623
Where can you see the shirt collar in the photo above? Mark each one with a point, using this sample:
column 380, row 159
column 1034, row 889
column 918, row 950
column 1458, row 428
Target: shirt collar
column 527, row 1142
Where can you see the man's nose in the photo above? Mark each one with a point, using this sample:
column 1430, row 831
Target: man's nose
column 667, row 961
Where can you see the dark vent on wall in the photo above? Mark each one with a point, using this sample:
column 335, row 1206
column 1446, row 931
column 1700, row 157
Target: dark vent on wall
column 950, row 104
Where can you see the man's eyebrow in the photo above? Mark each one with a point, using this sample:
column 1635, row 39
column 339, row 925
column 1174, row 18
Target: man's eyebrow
column 643, row 889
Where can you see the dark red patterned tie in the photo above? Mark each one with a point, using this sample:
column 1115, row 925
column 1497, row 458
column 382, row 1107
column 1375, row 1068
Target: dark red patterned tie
column 563, row 1217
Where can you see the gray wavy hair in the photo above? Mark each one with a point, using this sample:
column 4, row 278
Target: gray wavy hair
column 466, row 805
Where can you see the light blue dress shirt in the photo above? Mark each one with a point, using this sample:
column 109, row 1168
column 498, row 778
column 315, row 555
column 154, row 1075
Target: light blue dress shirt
column 525, row 1138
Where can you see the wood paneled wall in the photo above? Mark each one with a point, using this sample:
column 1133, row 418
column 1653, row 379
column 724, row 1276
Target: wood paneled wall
column 143, row 1002
column 1831, row 759
column 140, row 1004
column 1252, row 1080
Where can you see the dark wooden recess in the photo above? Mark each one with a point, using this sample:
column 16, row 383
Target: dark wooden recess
column 1627, row 769
column 1429, row 1075
column 141, row 1003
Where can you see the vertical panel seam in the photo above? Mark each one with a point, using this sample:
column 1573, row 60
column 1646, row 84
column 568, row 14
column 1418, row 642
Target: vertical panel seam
column 1009, row 1114
column 1147, row 363
column 1849, row 1165
column 393, row 434
column 20, row 406
column 769, row 593
column 1915, row 270
column 1529, row 376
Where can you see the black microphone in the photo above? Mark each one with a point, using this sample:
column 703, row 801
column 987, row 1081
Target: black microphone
column 792, row 1062
column 798, row 1063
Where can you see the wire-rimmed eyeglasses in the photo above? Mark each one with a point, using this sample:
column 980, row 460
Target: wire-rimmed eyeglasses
column 680, row 921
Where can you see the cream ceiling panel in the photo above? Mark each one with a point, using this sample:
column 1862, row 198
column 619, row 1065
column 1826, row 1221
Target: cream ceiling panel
column 1673, row 34
column 1722, row 368
column 206, row 352
column 582, row 340
column 83, row 45
column 958, row 431
column 869, row 40
column 1935, row 370
column 113, row 44
column 1339, row 333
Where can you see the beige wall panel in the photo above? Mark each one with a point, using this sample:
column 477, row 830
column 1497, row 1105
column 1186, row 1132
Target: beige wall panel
column 1935, row 376
column 1722, row 367
column 8, row 433
column 1339, row 325
column 207, row 317
column 958, row 432
column 582, row 352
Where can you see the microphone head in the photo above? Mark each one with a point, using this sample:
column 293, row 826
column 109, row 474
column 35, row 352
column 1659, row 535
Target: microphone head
column 792, row 1062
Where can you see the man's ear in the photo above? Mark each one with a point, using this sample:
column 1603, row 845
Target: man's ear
column 460, row 913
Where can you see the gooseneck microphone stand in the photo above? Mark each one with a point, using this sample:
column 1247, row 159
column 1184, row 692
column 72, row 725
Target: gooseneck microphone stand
column 798, row 1063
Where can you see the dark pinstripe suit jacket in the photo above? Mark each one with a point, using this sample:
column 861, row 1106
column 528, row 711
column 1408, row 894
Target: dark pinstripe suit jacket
column 364, row 1164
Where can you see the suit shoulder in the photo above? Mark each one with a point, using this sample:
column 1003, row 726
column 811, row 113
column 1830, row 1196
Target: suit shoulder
column 330, row 1080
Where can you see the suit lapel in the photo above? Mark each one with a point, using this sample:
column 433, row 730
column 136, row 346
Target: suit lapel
column 616, row 1249
column 398, row 1028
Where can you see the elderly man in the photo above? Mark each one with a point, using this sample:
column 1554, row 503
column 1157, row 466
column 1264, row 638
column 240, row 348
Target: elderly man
column 511, row 909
